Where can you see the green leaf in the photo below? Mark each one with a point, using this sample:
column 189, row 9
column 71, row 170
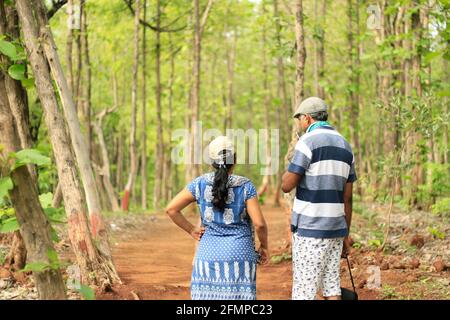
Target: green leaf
column 46, row 199
column 9, row 225
column 36, row 267
column 54, row 235
column 8, row 49
column 27, row 83
column 6, row 184
column 17, row 71
column 33, row 156
column 55, row 215
column 87, row 292
column 52, row 256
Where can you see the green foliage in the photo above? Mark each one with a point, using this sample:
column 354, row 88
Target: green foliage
column 17, row 71
column 30, row 156
column 442, row 207
column 7, row 48
column 86, row 292
column 436, row 233
column 39, row 266
column 6, row 184
column 388, row 292
column 280, row 258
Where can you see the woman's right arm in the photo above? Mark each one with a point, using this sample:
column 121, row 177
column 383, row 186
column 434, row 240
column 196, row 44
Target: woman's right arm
column 173, row 210
column 254, row 211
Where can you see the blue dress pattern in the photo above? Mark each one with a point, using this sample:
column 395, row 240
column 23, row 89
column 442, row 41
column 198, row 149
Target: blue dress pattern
column 225, row 263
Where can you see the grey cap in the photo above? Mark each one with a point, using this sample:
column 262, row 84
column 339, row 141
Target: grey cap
column 311, row 105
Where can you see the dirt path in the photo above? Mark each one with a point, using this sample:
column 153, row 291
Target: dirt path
column 157, row 263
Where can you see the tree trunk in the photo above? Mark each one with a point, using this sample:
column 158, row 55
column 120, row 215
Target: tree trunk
column 90, row 260
column 281, row 91
column 298, row 97
column 133, row 151
column 34, row 225
column 69, row 44
column 105, row 171
column 79, row 144
column 353, row 67
column 159, row 154
column 230, row 58
column 266, row 181
column 86, row 109
column 319, row 48
column 18, row 104
column 144, row 113
column 417, row 171
column 199, row 25
column 194, row 169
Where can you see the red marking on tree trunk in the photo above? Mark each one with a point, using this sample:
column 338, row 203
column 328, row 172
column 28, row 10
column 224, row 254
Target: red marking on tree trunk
column 125, row 200
column 82, row 245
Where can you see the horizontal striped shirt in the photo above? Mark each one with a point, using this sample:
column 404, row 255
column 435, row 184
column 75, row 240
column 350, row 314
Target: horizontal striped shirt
column 325, row 160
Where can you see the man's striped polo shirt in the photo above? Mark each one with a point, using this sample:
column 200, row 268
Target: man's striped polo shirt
column 325, row 160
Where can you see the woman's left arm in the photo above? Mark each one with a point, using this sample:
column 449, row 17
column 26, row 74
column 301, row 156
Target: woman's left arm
column 173, row 210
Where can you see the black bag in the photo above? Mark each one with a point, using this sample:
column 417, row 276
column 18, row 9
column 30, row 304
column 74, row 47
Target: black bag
column 347, row 294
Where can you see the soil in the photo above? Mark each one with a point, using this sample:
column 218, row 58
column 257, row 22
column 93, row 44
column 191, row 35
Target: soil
column 155, row 262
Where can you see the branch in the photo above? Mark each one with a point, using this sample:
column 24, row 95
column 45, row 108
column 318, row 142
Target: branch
column 56, row 5
column 104, row 112
column 205, row 16
column 152, row 27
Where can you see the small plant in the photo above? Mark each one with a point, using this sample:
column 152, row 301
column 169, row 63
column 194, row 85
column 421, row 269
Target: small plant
column 441, row 207
column 280, row 258
column 436, row 233
column 388, row 292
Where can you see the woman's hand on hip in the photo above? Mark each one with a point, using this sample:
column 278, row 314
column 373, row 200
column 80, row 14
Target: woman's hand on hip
column 197, row 232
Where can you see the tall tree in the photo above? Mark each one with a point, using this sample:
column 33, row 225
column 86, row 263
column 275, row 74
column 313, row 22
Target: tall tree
column 34, row 225
column 319, row 47
column 133, row 147
column 199, row 25
column 159, row 155
column 89, row 258
column 144, row 112
column 298, row 95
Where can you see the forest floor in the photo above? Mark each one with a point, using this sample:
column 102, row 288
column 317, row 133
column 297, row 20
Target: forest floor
column 155, row 260
column 154, row 257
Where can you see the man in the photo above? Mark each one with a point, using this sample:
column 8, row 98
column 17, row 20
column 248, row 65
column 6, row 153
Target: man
column 322, row 169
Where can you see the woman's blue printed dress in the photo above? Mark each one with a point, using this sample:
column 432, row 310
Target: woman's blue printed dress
column 225, row 263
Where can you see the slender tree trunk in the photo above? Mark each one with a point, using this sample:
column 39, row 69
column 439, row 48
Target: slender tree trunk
column 319, row 48
column 284, row 105
column 194, row 169
column 34, row 225
column 79, row 144
column 230, row 58
column 133, row 152
column 90, row 260
column 144, row 114
column 18, row 104
column 199, row 25
column 169, row 177
column 265, row 186
column 105, row 171
column 159, row 155
column 353, row 92
column 69, row 44
column 298, row 97
column 417, row 171
column 88, row 83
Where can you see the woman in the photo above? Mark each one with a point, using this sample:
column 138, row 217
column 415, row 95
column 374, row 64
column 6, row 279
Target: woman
column 225, row 263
